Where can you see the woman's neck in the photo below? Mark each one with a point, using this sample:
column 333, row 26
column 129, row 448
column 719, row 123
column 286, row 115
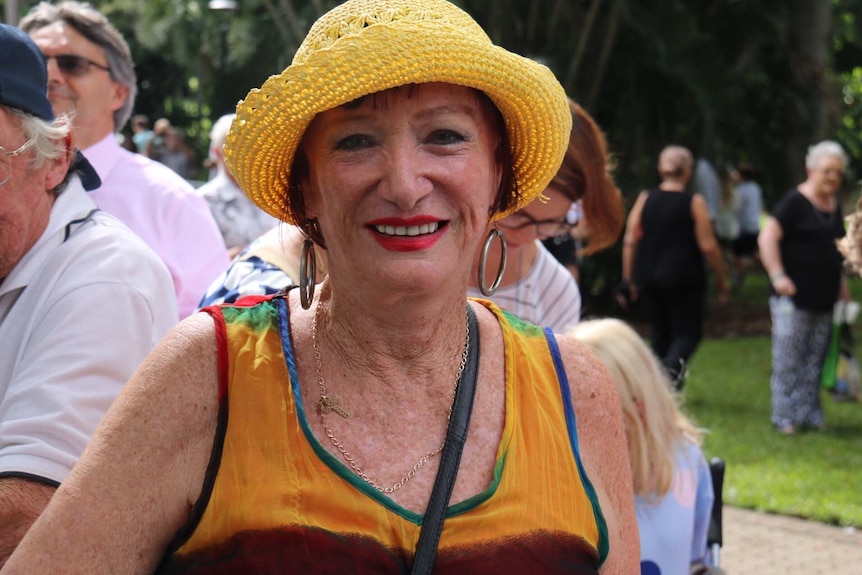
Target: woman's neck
column 394, row 342
column 671, row 186
column 823, row 201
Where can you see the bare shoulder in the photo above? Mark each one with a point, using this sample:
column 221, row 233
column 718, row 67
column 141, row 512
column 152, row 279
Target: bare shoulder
column 698, row 203
column 177, row 385
column 589, row 380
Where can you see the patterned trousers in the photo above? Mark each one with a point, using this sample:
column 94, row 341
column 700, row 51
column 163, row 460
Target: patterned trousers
column 799, row 341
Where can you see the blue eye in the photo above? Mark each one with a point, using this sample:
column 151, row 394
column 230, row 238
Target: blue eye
column 354, row 142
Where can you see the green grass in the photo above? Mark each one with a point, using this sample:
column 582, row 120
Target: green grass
column 812, row 475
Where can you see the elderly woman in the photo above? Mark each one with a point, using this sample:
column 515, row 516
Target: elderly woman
column 668, row 239
column 307, row 429
column 798, row 249
column 535, row 286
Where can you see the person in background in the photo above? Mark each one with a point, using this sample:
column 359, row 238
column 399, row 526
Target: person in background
column 726, row 220
column 141, row 132
column 177, row 154
column 393, row 144
column 672, row 483
column 707, row 183
column 668, row 236
column 798, row 250
column 744, row 249
column 157, row 145
column 270, row 264
column 82, row 299
column 535, row 286
column 569, row 249
column 91, row 77
column 239, row 220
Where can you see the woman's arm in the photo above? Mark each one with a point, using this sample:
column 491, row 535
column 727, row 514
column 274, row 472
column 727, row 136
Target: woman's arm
column 630, row 244
column 137, row 480
column 708, row 245
column 770, row 254
column 602, row 442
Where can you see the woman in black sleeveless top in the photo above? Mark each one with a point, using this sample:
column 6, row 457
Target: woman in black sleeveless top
column 797, row 247
column 668, row 240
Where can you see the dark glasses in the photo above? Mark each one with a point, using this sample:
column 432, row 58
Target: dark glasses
column 544, row 228
column 73, row 65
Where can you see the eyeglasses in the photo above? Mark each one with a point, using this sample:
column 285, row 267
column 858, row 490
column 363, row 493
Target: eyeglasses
column 6, row 160
column 72, row 65
column 544, row 228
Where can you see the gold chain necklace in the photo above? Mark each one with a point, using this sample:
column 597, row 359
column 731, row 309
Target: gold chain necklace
column 327, row 404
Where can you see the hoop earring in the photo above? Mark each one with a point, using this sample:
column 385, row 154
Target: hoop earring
column 495, row 233
column 307, row 260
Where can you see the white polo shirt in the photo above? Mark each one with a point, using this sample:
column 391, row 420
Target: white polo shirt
column 78, row 314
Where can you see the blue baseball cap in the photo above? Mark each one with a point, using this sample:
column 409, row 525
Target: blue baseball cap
column 24, row 86
column 23, row 74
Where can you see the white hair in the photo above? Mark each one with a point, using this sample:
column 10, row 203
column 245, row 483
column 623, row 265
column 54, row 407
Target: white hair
column 219, row 131
column 48, row 137
column 825, row 149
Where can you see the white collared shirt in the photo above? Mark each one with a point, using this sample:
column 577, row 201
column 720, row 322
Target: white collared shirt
column 78, row 314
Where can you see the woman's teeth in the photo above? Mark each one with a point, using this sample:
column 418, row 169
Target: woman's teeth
column 408, row 230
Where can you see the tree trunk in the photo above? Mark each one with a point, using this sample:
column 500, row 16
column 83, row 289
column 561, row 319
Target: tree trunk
column 807, row 62
column 607, row 48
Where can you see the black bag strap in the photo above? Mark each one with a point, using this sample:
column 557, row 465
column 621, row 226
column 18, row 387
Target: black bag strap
column 456, row 435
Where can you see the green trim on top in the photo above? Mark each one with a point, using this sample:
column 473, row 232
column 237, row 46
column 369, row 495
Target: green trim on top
column 343, row 471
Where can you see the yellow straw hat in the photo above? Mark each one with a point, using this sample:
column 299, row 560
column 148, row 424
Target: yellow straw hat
column 366, row 46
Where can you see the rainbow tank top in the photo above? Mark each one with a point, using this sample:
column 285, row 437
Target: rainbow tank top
column 276, row 501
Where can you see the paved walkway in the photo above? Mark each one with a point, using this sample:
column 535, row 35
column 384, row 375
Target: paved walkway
column 760, row 544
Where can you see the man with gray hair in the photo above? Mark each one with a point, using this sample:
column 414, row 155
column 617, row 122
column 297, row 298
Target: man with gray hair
column 91, row 76
column 239, row 220
column 82, row 299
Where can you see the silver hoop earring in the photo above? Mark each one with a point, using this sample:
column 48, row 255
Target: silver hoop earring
column 307, row 273
column 495, row 233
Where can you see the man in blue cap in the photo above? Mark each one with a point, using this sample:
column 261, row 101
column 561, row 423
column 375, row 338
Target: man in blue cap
column 82, row 299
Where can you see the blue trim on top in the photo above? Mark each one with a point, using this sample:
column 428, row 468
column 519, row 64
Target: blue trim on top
column 571, row 423
column 286, row 348
column 80, row 222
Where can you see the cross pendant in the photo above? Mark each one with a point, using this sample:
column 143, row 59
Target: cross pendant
column 328, row 404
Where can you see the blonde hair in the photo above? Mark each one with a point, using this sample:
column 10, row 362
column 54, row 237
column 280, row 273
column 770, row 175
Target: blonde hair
column 655, row 425
column 675, row 162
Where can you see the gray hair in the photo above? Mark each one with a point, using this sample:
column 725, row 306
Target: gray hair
column 825, row 149
column 96, row 28
column 219, row 131
column 48, row 137
column 49, row 140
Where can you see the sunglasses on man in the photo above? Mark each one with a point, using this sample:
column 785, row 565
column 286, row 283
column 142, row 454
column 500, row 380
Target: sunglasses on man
column 73, row 65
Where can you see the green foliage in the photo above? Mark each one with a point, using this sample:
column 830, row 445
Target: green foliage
column 732, row 80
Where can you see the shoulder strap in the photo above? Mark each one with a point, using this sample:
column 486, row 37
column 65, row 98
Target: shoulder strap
column 432, row 524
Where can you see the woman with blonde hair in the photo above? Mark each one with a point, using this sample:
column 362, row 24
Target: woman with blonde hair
column 672, row 483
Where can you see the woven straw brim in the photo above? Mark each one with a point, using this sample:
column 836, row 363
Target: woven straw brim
column 271, row 121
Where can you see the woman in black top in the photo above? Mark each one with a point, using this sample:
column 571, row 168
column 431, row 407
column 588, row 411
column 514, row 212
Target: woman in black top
column 797, row 247
column 668, row 238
